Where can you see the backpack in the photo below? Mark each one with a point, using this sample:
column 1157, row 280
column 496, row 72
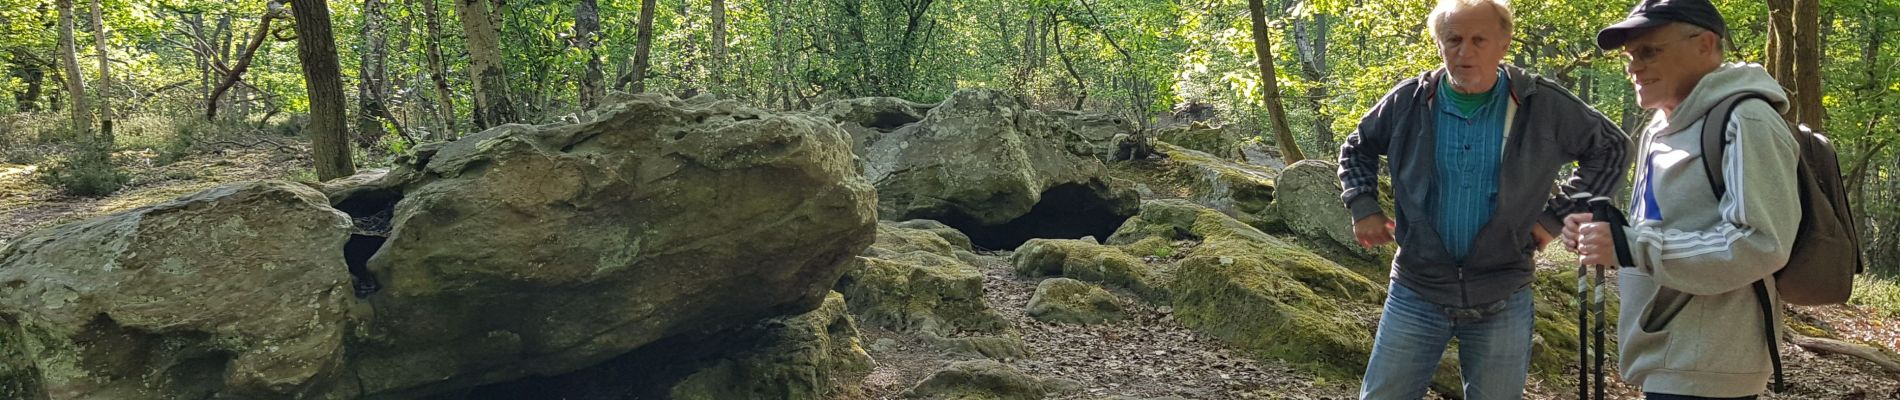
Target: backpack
column 1826, row 252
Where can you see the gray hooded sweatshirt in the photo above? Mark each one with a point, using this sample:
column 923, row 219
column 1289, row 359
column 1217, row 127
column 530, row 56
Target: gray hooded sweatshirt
column 1691, row 323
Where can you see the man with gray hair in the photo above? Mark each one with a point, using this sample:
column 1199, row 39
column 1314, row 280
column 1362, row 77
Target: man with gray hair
column 1699, row 255
column 1473, row 148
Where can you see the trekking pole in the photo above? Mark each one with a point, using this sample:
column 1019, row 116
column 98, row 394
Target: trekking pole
column 1583, row 322
column 1583, row 332
column 1603, row 210
column 1599, row 329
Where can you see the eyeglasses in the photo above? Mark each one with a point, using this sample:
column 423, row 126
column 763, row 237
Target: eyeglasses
column 1647, row 53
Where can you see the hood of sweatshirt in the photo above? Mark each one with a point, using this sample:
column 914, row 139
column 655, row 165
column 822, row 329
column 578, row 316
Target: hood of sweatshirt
column 1729, row 79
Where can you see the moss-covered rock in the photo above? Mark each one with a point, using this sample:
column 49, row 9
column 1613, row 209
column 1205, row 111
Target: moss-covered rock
column 978, row 380
column 1554, row 345
column 1069, row 301
column 1260, row 293
column 815, row 355
column 912, row 280
column 1088, row 261
column 920, row 292
column 956, row 238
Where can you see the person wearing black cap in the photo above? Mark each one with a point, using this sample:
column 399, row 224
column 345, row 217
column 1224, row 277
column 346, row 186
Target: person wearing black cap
column 1473, row 148
column 1692, row 324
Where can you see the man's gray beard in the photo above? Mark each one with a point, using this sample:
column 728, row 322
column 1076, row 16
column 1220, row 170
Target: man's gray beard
column 1457, row 85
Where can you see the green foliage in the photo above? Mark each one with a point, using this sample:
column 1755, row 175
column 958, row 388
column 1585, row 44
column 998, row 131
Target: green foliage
column 85, row 175
column 1879, row 292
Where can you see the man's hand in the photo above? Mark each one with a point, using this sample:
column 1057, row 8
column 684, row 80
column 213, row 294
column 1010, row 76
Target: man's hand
column 1543, row 238
column 1596, row 245
column 1572, row 223
column 1373, row 230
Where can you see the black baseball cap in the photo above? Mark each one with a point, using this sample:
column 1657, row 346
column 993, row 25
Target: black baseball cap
column 1653, row 13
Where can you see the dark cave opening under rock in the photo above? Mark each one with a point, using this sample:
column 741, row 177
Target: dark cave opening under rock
column 886, row 121
column 1067, row 211
column 371, row 214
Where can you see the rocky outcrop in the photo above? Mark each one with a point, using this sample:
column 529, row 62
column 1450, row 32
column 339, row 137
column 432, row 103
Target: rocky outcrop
column 515, row 252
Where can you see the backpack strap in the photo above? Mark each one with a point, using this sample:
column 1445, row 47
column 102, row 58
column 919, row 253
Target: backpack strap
column 1714, row 146
column 1768, row 329
column 1715, row 138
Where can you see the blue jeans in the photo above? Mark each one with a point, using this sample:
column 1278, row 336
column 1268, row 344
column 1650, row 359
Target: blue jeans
column 1494, row 346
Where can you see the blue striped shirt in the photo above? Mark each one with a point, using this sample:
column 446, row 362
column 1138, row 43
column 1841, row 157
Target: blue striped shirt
column 1468, row 151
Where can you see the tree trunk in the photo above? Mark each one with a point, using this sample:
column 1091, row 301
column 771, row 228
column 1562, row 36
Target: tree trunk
column 1082, row 86
column 586, row 24
column 372, row 78
column 1779, row 53
column 244, row 60
column 75, row 82
column 437, row 72
column 719, row 44
column 1026, row 69
column 316, row 50
column 34, row 75
column 636, row 79
column 104, row 138
column 479, row 22
column 688, row 88
column 202, row 57
column 1263, row 51
column 1807, row 64
column 1311, row 40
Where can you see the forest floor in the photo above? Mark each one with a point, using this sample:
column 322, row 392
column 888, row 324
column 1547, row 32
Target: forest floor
column 1149, row 355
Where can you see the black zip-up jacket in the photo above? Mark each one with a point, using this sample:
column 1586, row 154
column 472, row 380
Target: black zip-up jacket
column 1550, row 128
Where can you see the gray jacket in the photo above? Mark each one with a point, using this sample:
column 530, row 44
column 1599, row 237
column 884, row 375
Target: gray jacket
column 1548, row 128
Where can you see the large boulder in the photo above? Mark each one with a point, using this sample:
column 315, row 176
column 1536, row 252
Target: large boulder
column 1308, row 205
column 239, row 291
column 1259, row 293
column 525, row 250
column 987, row 164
